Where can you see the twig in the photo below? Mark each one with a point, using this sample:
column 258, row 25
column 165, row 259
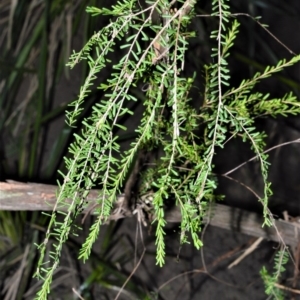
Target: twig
column 266, row 151
column 285, row 288
column 260, row 24
column 77, row 294
column 246, row 253
column 203, row 270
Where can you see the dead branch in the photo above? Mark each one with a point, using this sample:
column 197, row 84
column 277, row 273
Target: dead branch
column 17, row 196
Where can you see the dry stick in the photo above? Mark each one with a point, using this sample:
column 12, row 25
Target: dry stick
column 77, row 294
column 285, row 288
column 17, row 196
column 246, row 253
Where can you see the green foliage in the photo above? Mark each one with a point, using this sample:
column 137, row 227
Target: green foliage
column 187, row 137
column 270, row 280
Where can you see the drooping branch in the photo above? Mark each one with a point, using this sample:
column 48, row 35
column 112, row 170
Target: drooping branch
column 17, row 196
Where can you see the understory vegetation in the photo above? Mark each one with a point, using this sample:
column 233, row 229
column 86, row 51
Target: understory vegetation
column 141, row 56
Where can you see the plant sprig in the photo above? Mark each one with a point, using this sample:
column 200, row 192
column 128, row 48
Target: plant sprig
column 169, row 123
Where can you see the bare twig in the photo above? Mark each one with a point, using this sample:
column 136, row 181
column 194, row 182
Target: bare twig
column 266, row 151
column 246, row 253
column 204, row 270
column 285, row 288
column 77, row 294
column 260, row 24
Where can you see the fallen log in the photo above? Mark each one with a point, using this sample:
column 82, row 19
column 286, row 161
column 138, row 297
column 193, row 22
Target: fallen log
column 17, row 196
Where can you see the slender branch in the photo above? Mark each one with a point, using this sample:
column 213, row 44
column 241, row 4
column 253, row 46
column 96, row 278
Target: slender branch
column 259, row 23
column 256, row 156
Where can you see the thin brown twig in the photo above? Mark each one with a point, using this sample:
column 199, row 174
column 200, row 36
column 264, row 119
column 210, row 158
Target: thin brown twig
column 285, row 288
column 246, row 253
column 269, row 212
column 77, row 294
column 211, row 265
column 266, row 151
column 260, row 24
column 268, row 31
column 242, row 184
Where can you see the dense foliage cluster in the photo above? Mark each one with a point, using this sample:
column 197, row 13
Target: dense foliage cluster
column 187, row 136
